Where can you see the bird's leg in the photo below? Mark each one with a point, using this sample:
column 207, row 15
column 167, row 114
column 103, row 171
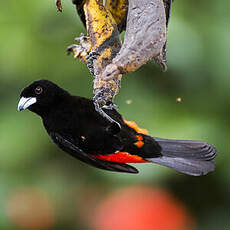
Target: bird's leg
column 101, row 102
column 110, row 106
column 114, row 127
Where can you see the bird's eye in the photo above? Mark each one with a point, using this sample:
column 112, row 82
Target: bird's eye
column 38, row 90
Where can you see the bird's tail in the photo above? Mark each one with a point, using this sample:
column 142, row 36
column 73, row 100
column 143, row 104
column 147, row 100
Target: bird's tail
column 189, row 157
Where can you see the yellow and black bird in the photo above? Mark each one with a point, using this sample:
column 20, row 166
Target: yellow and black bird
column 78, row 129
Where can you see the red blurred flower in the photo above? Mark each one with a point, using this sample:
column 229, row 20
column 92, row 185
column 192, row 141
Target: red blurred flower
column 141, row 208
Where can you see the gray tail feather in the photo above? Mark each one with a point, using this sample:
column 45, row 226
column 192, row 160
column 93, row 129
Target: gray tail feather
column 189, row 157
column 195, row 150
column 187, row 166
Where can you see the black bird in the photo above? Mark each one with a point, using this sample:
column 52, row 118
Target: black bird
column 78, row 129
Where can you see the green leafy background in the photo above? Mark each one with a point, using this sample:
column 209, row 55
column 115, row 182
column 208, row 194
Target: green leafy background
column 33, row 38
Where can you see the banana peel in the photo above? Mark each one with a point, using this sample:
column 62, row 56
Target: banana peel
column 146, row 24
column 103, row 38
column 145, row 38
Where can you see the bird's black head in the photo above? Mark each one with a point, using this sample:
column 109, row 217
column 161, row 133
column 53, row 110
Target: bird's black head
column 40, row 96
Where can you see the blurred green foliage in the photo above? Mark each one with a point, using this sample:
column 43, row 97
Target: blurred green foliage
column 33, row 41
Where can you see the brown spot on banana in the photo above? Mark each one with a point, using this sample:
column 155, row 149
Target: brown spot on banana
column 119, row 10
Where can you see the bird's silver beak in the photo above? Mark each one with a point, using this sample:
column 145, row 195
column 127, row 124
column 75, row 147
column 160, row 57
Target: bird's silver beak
column 25, row 102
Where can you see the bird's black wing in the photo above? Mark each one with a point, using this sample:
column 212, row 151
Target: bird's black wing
column 69, row 147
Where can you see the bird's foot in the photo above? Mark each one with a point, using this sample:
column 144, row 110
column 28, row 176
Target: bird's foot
column 82, row 50
column 101, row 103
column 110, row 106
column 101, row 98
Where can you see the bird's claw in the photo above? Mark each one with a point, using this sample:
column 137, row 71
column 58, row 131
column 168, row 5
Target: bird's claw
column 110, row 106
column 101, row 99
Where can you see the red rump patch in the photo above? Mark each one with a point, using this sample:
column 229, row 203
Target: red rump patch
column 121, row 157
